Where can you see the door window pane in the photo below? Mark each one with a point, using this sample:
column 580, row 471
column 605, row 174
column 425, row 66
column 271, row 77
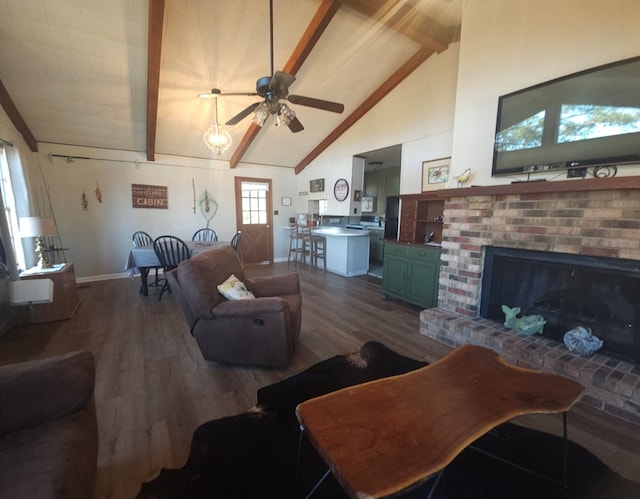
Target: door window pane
column 254, row 203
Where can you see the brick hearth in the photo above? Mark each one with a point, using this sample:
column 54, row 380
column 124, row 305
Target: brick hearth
column 597, row 217
column 613, row 386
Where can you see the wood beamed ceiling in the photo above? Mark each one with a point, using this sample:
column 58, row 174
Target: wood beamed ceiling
column 401, row 16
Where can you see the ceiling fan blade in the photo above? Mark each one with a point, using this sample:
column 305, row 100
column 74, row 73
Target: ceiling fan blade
column 215, row 92
column 295, row 125
column 325, row 105
column 280, row 83
column 243, row 114
column 210, row 95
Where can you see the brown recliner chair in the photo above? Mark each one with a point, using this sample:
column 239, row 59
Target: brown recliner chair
column 261, row 332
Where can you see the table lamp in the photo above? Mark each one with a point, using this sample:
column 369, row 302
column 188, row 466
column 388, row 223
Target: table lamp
column 39, row 227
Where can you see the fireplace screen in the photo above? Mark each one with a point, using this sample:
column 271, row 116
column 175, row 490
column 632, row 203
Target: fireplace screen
column 602, row 294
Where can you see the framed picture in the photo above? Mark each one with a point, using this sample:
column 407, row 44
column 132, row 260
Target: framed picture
column 316, row 185
column 150, row 196
column 357, row 195
column 285, row 201
column 435, row 174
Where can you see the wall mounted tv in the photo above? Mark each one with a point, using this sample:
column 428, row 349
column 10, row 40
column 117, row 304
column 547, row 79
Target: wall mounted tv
column 585, row 119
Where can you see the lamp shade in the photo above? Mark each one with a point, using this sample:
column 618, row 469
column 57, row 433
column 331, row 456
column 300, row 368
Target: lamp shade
column 37, row 226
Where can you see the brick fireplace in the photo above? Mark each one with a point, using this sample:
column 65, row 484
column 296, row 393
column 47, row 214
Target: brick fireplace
column 594, row 217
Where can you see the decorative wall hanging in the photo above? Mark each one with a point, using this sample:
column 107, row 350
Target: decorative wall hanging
column 341, row 189
column 285, row 201
column 193, row 190
column 98, row 192
column 85, row 201
column 208, row 206
column 435, row 174
column 150, row 196
column 316, row 185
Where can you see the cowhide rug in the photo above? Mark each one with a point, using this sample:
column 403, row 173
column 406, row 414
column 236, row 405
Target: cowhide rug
column 254, row 454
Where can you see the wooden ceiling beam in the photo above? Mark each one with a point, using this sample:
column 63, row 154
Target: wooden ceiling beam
column 154, row 52
column 310, row 37
column 16, row 118
column 405, row 18
column 405, row 70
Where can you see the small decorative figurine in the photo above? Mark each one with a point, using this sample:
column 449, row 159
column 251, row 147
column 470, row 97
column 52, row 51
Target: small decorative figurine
column 580, row 340
column 523, row 326
column 463, row 177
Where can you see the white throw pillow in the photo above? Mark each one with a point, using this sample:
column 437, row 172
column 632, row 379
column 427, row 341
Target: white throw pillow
column 234, row 289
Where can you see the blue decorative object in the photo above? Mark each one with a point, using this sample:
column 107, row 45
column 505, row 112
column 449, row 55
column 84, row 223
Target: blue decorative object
column 524, row 326
column 580, row 340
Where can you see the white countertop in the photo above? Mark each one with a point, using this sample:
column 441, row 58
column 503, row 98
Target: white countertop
column 339, row 232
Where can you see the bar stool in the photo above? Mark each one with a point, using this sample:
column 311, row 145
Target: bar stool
column 296, row 243
column 314, row 247
column 318, row 250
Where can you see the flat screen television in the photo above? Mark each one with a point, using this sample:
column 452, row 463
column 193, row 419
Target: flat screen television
column 590, row 118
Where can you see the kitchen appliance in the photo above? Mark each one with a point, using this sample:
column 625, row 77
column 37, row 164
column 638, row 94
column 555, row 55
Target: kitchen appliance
column 391, row 219
column 366, row 222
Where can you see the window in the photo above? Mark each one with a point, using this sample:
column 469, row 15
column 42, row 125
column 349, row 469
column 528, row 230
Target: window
column 254, row 203
column 10, row 212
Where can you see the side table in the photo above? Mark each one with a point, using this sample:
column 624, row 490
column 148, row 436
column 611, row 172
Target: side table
column 65, row 293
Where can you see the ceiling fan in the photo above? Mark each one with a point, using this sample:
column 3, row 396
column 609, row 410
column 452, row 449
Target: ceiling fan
column 274, row 90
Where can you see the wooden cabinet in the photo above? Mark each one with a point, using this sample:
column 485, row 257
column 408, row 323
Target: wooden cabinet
column 408, row 220
column 411, row 273
column 65, row 295
column 421, row 219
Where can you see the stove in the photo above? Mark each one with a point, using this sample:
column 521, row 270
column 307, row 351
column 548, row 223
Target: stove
column 370, row 221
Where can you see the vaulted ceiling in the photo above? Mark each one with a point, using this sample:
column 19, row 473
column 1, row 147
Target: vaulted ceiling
column 126, row 74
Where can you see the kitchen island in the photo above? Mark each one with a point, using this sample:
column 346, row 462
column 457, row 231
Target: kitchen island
column 347, row 250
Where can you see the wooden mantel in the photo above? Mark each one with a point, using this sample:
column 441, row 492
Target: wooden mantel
column 586, row 184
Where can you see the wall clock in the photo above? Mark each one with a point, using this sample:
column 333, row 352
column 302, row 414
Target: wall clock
column 341, row 189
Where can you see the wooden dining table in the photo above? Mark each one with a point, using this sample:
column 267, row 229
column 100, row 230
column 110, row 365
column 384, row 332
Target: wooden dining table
column 387, row 435
column 144, row 259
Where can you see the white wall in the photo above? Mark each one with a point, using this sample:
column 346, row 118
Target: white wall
column 418, row 114
column 99, row 238
column 507, row 45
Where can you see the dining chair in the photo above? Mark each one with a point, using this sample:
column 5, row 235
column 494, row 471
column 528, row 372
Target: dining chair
column 205, row 235
column 170, row 250
column 235, row 244
column 141, row 238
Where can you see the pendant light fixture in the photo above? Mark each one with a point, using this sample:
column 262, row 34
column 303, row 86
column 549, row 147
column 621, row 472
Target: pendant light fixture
column 216, row 137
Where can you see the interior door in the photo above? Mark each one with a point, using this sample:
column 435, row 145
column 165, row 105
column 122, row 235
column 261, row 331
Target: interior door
column 254, row 217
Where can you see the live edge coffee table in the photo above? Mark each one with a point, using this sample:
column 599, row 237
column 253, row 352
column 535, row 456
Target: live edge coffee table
column 384, row 436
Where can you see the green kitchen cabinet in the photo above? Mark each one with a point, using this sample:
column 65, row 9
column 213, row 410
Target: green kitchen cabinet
column 411, row 273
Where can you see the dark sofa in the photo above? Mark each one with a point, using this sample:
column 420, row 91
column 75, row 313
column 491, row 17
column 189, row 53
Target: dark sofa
column 48, row 428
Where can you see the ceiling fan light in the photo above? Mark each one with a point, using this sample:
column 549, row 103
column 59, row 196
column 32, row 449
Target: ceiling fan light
column 260, row 114
column 286, row 113
column 217, row 139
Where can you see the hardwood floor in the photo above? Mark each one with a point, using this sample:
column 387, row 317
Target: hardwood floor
column 153, row 388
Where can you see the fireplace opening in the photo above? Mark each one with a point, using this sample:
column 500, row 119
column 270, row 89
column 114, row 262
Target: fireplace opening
column 602, row 294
